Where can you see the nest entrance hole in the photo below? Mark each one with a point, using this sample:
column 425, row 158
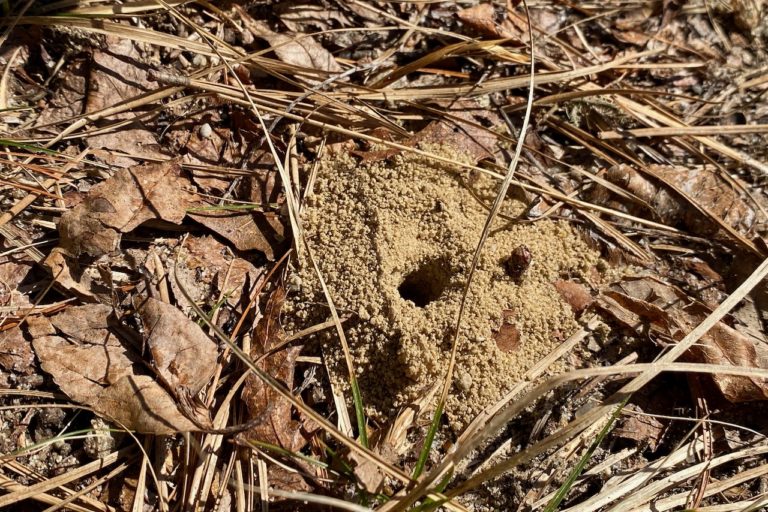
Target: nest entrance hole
column 426, row 283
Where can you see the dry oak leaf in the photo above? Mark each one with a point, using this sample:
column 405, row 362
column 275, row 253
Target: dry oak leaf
column 15, row 278
column 297, row 49
column 248, row 231
column 117, row 75
column 94, row 367
column 463, row 127
column 643, row 303
column 183, row 355
column 122, row 203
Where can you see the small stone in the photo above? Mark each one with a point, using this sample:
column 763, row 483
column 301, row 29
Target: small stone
column 294, row 283
column 465, row 380
column 363, row 314
column 199, row 61
column 206, row 131
column 100, row 442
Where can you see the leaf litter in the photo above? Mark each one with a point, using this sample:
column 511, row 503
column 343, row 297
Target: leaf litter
column 392, row 232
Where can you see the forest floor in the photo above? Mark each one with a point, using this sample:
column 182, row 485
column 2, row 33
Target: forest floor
column 288, row 255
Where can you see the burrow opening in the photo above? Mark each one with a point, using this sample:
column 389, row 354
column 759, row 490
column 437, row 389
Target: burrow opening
column 426, row 283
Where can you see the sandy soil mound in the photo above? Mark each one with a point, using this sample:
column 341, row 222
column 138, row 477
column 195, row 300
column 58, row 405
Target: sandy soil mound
column 394, row 240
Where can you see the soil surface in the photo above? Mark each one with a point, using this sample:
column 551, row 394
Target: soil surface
column 396, row 240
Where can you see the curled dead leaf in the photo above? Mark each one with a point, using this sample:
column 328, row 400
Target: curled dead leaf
column 94, row 366
column 646, row 303
column 122, row 203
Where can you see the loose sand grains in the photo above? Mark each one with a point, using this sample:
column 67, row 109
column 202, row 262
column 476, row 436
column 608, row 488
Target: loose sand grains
column 394, row 240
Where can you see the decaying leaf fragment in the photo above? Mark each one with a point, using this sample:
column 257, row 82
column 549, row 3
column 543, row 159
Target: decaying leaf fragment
column 278, row 427
column 297, row 49
column 117, row 75
column 248, row 231
column 210, row 273
column 647, row 303
column 673, row 191
column 91, row 364
column 121, row 204
column 182, row 354
column 15, row 352
column 482, row 18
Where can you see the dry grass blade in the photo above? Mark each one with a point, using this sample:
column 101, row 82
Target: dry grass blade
column 36, row 489
column 646, row 113
column 729, row 129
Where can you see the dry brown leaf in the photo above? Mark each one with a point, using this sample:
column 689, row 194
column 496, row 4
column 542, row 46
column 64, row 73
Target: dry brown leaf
column 463, row 133
column 68, row 98
column 117, row 75
column 647, row 303
column 297, row 49
column 121, row 204
column 299, row 17
column 69, row 275
column 208, row 271
column 15, row 277
column 94, row 367
column 701, row 185
column 641, row 428
column 15, row 352
column 575, row 294
column 182, row 354
column 202, row 141
column 482, row 18
column 246, row 230
column 278, row 426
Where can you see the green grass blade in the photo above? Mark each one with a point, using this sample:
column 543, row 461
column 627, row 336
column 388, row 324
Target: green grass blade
column 564, row 489
column 428, row 441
